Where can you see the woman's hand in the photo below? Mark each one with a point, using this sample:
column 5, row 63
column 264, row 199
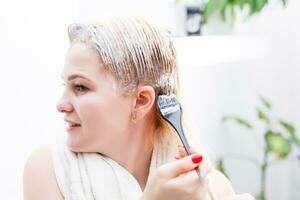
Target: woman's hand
column 178, row 180
column 182, row 154
column 175, row 180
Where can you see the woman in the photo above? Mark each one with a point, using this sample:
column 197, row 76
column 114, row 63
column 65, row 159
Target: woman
column 118, row 146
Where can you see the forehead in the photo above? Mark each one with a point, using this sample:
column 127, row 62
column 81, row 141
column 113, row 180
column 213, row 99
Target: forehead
column 80, row 58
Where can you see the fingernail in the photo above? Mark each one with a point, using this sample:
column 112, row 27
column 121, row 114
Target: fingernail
column 176, row 157
column 197, row 158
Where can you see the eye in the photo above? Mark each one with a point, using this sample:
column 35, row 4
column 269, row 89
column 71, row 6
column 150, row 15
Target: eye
column 80, row 88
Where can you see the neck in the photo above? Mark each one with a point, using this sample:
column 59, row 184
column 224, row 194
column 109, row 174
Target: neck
column 135, row 153
column 137, row 162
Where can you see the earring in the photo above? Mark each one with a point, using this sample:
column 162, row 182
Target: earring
column 133, row 117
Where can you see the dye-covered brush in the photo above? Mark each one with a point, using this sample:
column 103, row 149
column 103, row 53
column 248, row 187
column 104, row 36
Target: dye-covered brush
column 171, row 110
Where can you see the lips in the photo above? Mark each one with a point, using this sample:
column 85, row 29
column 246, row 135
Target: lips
column 72, row 123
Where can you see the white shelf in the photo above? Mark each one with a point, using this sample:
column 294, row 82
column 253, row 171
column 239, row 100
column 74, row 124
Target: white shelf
column 197, row 51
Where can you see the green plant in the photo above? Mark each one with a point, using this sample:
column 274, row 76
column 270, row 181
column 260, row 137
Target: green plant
column 255, row 6
column 222, row 6
column 279, row 139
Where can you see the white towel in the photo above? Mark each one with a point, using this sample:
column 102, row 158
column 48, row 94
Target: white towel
column 91, row 176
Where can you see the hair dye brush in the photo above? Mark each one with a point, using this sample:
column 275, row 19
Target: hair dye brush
column 171, row 110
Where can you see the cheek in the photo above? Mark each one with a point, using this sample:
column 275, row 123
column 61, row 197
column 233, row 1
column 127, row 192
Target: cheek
column 105, row 117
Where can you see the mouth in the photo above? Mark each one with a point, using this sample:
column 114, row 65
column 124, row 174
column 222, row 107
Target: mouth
column 71, row 125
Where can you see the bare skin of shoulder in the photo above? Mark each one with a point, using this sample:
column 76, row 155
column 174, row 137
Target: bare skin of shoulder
column 39, row 180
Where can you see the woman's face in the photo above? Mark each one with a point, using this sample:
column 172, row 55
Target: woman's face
column 90, row 100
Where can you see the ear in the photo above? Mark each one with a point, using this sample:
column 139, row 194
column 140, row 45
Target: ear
column 143, row 101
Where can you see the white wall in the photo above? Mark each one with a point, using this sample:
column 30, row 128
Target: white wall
column 33, row 41
column 219, row 77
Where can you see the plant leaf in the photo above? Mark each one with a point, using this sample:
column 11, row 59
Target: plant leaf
column 260, row 4
column 210, row 8
column 241, row 3
column 277, row 144
column 221, row 167
column 291, row 130
column 238, row 120
column 262, row 115
column 289, row 127
column 223, row 15
column 260, row 197
column 284, row 2
column 252, row 7
column 265, row 102
column 232, row 12
column 222, row 4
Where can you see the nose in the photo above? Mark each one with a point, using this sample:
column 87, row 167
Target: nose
column 64, row 106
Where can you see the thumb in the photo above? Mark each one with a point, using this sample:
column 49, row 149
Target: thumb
column 181, row 166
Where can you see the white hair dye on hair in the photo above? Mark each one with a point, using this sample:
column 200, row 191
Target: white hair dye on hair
column 133, row 51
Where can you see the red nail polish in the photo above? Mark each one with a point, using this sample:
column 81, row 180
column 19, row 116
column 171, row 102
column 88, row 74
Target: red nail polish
column 197, row 158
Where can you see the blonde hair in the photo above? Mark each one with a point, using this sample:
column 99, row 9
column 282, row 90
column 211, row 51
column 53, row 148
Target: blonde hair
column 133, row 51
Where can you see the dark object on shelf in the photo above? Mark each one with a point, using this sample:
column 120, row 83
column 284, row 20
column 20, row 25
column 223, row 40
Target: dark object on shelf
column 194, row 19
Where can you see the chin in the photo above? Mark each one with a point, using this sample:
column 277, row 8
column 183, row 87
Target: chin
column 79, row 146
column 74, row 145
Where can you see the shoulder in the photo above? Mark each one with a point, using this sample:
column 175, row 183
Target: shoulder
column 39, row 180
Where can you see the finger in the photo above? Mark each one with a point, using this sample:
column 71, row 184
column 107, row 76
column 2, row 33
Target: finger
column 180, row 166
column 187, row 178
column 188, row 181
column 182, row 152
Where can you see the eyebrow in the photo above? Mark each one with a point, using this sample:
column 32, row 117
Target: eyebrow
column 74, row 76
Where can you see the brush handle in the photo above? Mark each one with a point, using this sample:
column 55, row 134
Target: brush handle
column 176, row 121
column 171, row 111
column 187, row 147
